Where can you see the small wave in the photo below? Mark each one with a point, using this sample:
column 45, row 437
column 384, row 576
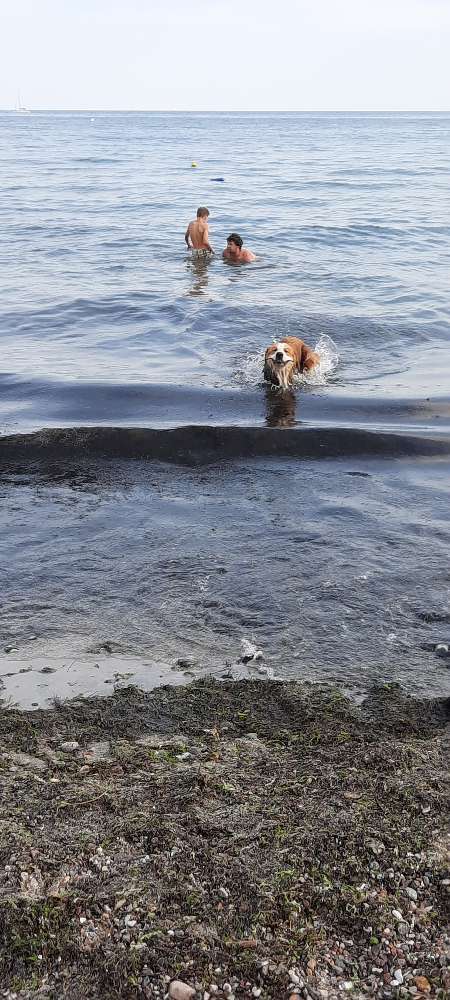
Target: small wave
column 204, row 444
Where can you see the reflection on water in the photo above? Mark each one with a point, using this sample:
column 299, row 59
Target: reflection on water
column 281, row 405
column 198, row 266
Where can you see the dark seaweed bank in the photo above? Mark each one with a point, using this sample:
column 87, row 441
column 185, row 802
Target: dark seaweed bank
column 250, row 839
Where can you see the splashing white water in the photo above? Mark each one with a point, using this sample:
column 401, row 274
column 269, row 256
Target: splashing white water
column 251, row 372
column 329, row 359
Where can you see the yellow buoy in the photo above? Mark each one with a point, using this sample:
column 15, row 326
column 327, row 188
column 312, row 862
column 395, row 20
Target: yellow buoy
column 194, row 164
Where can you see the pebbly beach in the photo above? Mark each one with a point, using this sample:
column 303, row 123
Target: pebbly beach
column 225, row 839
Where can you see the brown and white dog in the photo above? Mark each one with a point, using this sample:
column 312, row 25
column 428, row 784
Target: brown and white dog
column 287, row 358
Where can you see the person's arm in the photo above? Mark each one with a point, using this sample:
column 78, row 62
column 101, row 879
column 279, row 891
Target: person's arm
column 205, row 238
column 187, row 237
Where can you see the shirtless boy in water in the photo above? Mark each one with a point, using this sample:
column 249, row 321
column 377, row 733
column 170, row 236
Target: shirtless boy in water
column 236, row 252
column 196, row 235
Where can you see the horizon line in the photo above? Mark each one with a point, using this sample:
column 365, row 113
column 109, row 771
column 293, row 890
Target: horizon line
column 228, row 111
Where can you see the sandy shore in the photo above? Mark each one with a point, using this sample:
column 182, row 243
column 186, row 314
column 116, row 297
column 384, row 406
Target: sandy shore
column 250, row 839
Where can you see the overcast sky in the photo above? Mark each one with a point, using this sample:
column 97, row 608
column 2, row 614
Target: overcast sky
column 239, row 55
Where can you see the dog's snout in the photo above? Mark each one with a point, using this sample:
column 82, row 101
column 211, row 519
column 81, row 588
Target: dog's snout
column 279, row 356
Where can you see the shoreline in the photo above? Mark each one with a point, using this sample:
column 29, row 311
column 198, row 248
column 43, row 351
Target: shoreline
column 265, row 838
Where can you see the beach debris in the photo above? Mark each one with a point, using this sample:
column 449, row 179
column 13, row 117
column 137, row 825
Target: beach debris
column 250, row 651
column 180, row 991
column 218, row 179
column 194, row 164
column 11, row 649
column 422, row 984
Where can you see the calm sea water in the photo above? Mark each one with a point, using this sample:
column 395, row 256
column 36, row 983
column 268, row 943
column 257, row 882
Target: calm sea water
column 334, row 560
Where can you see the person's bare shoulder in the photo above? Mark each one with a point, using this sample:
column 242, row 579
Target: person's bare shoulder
column 248, row 256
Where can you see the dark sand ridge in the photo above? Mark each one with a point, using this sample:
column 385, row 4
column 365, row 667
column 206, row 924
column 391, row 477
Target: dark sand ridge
column 247, row 835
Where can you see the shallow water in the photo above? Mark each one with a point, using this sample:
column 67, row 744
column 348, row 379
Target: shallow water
column 312, row 523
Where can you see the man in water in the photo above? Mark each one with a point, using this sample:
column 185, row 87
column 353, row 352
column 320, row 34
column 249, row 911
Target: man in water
column 197, row 236
column 237, row 253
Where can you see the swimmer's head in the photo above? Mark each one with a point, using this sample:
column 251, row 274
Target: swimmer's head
column 236, row 239
column 202, row 213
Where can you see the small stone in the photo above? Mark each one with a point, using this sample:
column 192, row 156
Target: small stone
column 348, row 985
column 422, row 984
column 411, row 893
column 227, row 989
column 185, row 662
column 69, row 746
column 180, row 991
column 398, row 978
column 376, row 846
column 213, row 988
column 294, row 978
column 397, row 914
column 256, row 991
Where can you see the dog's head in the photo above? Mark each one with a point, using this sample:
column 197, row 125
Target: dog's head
column 281, row 362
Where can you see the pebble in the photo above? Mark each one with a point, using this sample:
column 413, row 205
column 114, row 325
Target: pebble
column 180, row 991
column 256, row 991
column 69, row 746
column 397, row 914
column 227, row 989
column 411, row 893
column 376, row 846
column 294, row 978
column 398, row 978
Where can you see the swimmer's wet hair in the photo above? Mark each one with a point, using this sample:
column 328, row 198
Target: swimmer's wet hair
column 201, row 212
column 235, row 238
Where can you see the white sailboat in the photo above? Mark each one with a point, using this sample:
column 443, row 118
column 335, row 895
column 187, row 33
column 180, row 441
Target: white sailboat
column 20, row 108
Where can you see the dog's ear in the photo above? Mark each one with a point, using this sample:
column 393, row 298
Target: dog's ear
column 269, row 350
column 308, row 358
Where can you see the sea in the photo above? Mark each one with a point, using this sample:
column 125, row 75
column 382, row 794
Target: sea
column 160, row 503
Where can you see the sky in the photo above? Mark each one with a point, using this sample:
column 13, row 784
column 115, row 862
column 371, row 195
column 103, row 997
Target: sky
column 226, row 55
